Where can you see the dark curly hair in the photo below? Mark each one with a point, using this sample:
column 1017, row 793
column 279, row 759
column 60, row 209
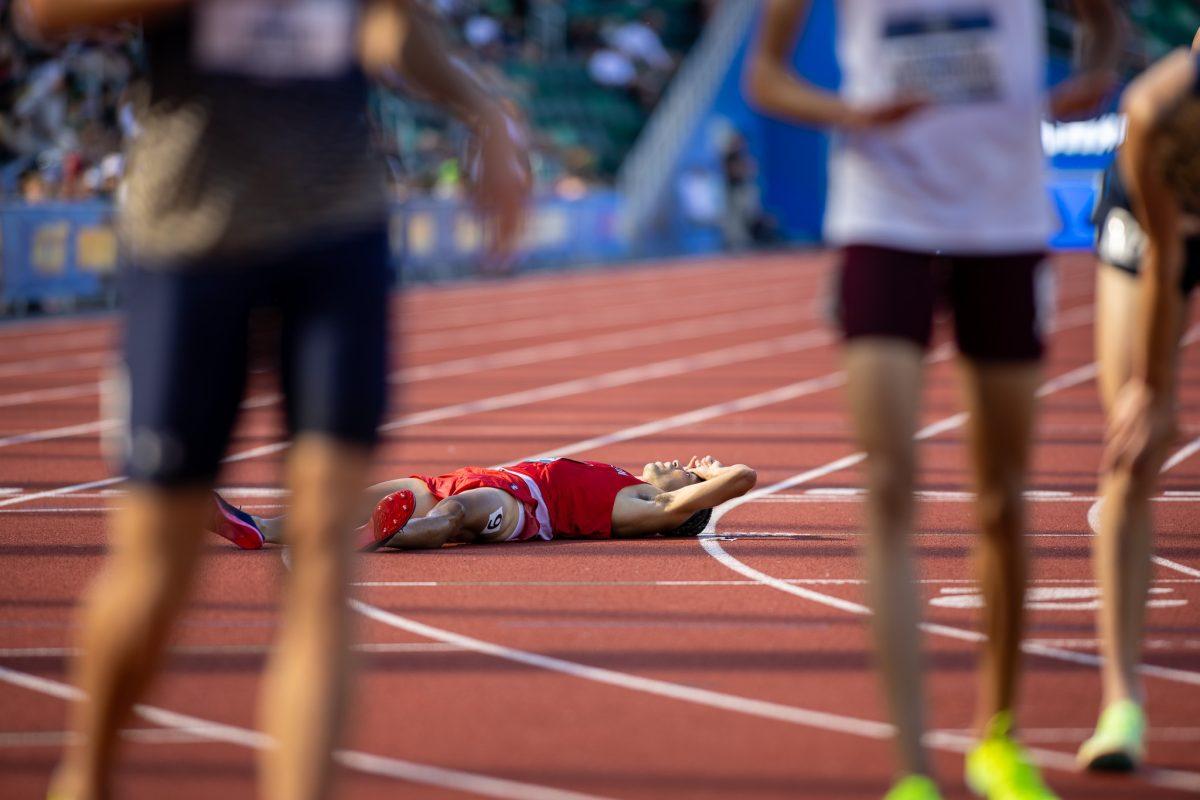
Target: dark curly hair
column 692, row 526
column 1181, row 153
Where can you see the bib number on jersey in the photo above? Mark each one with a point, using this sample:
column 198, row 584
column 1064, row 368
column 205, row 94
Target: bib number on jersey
column 275, row 39
column 945, row 56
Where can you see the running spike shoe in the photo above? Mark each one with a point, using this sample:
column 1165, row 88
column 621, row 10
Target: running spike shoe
column 914, row 787
column 234, row 524
column 392, row 514
column 999, row 769
column 1118, row 745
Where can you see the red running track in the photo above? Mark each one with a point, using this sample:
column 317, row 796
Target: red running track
column 736, row 667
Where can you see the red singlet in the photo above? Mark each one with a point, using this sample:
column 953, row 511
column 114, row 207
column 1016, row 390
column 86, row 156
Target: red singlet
column 562, row 497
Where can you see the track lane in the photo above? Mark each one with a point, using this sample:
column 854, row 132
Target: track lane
column 620, row 561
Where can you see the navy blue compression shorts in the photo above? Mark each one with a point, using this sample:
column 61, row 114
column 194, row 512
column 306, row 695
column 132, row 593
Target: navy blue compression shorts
column 188, row 334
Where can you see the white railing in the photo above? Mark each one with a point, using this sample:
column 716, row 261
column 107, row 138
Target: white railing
column 645, row 175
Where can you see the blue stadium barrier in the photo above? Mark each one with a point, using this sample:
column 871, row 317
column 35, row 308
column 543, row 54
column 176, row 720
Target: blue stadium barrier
column 1073, row 194
column 66, row 253
column 438, row 239
column 56, row 252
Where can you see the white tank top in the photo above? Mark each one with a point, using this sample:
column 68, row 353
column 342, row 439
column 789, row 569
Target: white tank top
column 966, row 175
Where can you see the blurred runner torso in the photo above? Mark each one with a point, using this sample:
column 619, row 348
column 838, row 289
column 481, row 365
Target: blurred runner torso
column 253, row 133
column 964, row 176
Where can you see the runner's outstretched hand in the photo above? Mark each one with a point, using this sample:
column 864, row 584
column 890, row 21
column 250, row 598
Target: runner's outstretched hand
column 500, row 177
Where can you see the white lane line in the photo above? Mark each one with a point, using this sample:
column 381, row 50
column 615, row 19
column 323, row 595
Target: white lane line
column 677, row 691
column 233, row 649
column 711, row 544
column 1148, row 644
column 1181, row 455
column 621, row 377
column 61, row 491
column 683, row 330
column 1076, row 735
column 671, row 332
column 10, row 739
column 539, row 324
column 969, row 582
column 105, row 509
column 84, row 429
column 396, row 768
column 820, row 720
column 621, row 340
column 770, row 397
column 89, row 360
column 47, row 395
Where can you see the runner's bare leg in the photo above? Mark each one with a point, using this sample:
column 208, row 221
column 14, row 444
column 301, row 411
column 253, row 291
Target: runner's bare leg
column 305, row 690
column 884, row 389
column 1001, row 400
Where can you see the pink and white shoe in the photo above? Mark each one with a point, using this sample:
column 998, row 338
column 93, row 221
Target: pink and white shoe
column 389, row 517
column 234, row 524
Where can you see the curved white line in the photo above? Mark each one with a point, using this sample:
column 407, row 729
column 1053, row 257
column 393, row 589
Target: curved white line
column 713, row 547
column 368, row 763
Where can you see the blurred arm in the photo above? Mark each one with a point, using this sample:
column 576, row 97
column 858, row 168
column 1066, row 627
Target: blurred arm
column 1147, row 102
column 403, row 46
column 634, row 516
column 406, row 49
column 1100, row 35
column 55, row 18
column 770, row 83
column 1098, row 52
column 774, row 88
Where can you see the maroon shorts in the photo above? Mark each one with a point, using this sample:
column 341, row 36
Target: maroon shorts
column 999, row 303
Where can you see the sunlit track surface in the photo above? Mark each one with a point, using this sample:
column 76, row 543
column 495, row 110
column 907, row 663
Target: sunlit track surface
column 651, row 669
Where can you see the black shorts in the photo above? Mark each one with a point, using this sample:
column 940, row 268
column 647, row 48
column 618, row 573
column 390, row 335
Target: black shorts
column 998, row 302
column 1120, row 243
column 187, row 342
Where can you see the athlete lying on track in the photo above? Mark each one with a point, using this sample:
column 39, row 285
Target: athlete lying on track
column 547, row 499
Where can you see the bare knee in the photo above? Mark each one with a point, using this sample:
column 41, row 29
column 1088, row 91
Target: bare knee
column 1000, row 507
column 452, row 509
column 890, row 489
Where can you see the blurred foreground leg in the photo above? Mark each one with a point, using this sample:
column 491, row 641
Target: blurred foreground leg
column 304, row 697
column 126, row 618
column 884, row 394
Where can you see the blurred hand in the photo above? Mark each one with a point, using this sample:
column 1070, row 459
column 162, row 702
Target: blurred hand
column 1140, row 423
column 884, row 114
column 1082, row 95
column 500, row 178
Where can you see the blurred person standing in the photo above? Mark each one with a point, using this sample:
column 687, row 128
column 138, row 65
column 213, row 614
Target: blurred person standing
column 252, row 186
column 937, row 195
column 1148, row 225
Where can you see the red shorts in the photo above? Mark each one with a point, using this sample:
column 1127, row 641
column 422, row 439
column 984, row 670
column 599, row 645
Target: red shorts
column 1000, row 303
column 461, row 480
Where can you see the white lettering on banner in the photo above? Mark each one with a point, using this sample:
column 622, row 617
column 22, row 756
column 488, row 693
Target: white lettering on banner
column 945, row 56
column 275, row 39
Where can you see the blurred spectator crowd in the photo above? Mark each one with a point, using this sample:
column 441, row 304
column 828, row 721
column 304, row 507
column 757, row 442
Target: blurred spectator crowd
column 66, row 111
column 584, row 73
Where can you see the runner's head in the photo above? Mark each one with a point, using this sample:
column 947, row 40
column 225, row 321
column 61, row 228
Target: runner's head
column 668, row 476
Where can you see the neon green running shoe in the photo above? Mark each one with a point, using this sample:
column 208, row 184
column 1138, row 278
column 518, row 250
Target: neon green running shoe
column 1118, row 745
column 914, row 787
column 999, row 769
